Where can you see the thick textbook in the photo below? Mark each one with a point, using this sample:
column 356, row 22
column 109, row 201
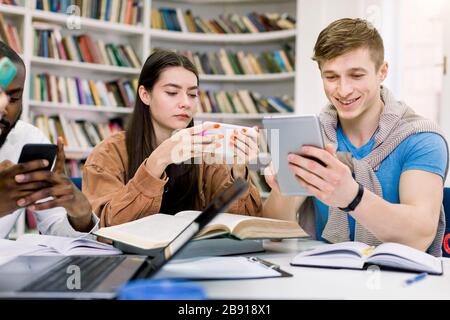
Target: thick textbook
column 355, row 255
column 157, row 230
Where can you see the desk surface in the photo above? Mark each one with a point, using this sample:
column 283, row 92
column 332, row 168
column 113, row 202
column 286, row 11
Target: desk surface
column 320, row 283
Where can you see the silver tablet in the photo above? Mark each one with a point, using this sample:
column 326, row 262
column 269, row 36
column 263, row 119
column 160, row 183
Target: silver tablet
column 285, row 135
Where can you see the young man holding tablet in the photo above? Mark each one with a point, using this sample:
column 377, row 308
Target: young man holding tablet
column 385, row 182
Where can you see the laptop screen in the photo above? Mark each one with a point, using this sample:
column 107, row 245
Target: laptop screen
column 218, row 204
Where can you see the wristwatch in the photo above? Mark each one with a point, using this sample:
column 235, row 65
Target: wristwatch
column 352, row 206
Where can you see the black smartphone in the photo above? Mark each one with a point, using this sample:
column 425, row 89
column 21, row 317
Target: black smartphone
column 36, row 151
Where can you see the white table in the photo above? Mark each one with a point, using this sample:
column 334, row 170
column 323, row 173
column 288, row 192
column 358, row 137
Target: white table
column 320, row 283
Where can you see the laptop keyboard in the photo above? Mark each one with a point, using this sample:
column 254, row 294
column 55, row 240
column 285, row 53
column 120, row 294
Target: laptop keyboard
column 62, row 278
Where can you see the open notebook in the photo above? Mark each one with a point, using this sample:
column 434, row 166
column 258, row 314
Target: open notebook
column 354, row 255
column 45, row 245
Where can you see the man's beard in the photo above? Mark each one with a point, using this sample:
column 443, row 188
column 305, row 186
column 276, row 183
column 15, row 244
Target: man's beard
column 7, row 129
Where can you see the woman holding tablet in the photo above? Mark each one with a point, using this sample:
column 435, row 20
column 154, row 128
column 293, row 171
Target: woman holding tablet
column 152, row 166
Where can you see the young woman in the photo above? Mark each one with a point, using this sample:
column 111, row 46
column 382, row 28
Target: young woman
column 143, row 170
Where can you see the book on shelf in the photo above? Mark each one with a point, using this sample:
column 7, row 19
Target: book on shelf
column 240, row 63
column 74, row 167
column 175, row 20
column 77, row 134
column 50, row 43
column 75, row 91
column 119, row 11
column 10, row 35
column 157, row 230
column 243, row 101
column 357, row 255
column 9, row 2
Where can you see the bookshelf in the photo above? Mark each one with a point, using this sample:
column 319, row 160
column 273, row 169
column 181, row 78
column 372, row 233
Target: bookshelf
column 143, row 39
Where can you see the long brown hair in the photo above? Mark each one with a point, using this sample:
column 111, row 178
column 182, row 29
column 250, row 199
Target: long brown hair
column 179, row 193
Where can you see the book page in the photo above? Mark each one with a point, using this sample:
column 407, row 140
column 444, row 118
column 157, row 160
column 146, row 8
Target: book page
column 212, row 229
column 9, row 249
column 401, row 256
column 248, row 227
column 69, row 246
column 350, row 247
column 339, row 255
column 227, row 219
column 154, row 231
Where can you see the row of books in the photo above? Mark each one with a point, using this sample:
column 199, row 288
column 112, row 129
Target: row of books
column 74, row 168
column 77, row 134
column 243, row 101
column 49, row 43
column 75, row 91
column 10, row 35
column 119, row 11
column 174, row 19
column 236, row 63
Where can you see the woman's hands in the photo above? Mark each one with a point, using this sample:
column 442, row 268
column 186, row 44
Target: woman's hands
column 184, row 145
column 244, row 144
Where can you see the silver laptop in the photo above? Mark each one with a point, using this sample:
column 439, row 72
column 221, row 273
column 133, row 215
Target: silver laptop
column 99, row 277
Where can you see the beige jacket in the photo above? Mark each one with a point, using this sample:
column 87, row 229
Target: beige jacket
column 115, row 202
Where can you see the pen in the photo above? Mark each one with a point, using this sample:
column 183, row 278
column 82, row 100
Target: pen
column 264, row 263
column 416, row 278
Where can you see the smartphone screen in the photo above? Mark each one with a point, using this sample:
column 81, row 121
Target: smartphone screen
column 32, row 152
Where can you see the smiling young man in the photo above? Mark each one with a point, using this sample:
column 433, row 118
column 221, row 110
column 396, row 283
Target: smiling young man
column 68, row 212
column 385, row 182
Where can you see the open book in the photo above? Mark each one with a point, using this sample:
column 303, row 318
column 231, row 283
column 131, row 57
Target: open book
column 157, row 230
column 37, row 244
column 354, row 255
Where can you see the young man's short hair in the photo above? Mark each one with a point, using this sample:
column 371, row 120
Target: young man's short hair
column 344, row 35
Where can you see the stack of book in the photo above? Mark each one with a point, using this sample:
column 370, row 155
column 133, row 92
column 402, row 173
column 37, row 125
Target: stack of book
column 77, row 134
column 243, row 101
column 175, row 20
column 119, row 11
column 237, row 63
column 10, row 35
column 49, row 43
column 75, row 91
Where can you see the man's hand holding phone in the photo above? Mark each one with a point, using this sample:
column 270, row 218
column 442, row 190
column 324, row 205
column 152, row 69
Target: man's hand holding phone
column 57, row 185
column 12, row 191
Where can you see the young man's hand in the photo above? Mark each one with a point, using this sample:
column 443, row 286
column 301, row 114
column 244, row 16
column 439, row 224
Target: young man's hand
column 63, row 192
column 10, row 190
column 332, row 184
